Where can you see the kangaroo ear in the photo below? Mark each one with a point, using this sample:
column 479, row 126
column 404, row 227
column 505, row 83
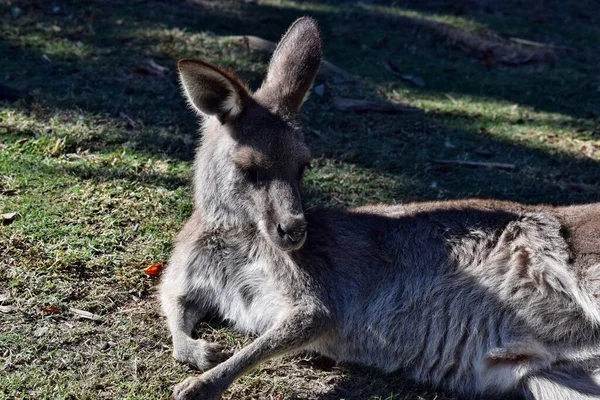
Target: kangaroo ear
column 293, row 67
column 210, row 90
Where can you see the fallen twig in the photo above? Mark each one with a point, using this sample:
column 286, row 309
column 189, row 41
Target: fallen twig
column 392, row 68
column 356, row 105
column 159, row 68
column 532, row 43
column 477, row 164
column 85, row 314
column 452, row 99
column 127, row 118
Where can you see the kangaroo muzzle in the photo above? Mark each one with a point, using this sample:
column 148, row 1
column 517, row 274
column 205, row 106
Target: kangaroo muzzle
column 292, row 230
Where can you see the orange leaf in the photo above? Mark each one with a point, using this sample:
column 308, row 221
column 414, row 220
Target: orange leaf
column 155, row 269
column 50, row 310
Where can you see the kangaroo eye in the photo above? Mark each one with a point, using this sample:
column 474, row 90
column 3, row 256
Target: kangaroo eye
column 254, row 177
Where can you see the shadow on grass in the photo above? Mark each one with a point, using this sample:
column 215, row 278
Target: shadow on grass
column 133, row 30
column 404, row 149
column 409, row 147
column 121, row 35
column 111, row 79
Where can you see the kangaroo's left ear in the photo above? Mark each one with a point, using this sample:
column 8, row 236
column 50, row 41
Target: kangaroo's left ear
column 293, row 67
column 211, row 90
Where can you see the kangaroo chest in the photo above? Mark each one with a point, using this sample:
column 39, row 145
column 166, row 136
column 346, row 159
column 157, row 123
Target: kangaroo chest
column 248, row 295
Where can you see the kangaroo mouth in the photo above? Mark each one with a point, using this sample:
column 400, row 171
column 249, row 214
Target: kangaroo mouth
column 290, row 243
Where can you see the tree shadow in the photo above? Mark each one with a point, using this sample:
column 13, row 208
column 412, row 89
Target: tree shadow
column 130, row 33
column 112, row 80
column 408, row 147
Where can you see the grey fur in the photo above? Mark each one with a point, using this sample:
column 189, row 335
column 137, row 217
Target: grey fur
column 481, row 297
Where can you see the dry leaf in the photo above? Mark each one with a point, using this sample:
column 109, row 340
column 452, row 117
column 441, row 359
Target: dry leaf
column 155, row 269
column 8, row 217
column 449, row 145
column 50, row 310
column 142, row 70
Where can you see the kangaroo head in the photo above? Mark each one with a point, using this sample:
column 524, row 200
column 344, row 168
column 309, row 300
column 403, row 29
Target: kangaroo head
column 250, row 163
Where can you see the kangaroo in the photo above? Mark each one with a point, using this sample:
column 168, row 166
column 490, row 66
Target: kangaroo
column 481, row 297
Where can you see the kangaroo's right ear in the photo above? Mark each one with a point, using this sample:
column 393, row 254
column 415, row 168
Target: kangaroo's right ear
column 210, row 90
column 293, row 67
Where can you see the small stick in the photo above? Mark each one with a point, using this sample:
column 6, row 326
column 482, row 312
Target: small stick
column 538, row 44
column 452, row 99
column 128, row 119
column 85, row 314
column 392, row 68
column 477, row 164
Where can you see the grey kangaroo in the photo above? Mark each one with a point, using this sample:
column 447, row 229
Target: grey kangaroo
column 486, row 298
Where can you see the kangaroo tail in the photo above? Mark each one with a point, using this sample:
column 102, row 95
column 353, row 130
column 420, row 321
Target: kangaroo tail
column 564, row 383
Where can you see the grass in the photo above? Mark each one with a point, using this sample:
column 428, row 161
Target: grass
column 96, row 162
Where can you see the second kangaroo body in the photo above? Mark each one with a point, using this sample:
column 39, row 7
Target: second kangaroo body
column 482, row 297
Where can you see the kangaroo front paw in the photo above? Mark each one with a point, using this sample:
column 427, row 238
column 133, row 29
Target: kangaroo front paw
column 195, row 388
column 199, row 354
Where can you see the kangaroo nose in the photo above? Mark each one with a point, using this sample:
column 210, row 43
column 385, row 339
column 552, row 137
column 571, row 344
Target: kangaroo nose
column 292, row 229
